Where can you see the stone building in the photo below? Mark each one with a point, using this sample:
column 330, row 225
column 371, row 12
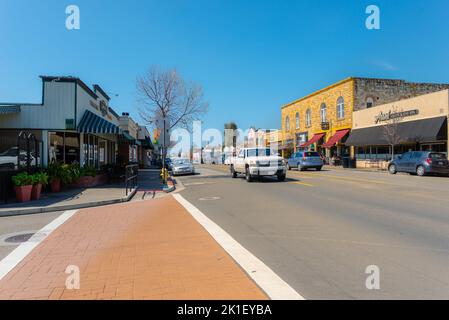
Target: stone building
column 322, row 120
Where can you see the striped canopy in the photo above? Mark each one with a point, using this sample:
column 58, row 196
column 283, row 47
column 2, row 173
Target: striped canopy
column 91, row 123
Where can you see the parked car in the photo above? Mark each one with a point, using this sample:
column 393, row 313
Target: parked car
column 304, row 160
column 420, row 163
column 182, row 166
column 257, row 163
column 8, row 158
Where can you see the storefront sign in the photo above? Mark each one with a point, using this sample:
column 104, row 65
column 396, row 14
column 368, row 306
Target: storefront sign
column 382, row 117
column 103, row 108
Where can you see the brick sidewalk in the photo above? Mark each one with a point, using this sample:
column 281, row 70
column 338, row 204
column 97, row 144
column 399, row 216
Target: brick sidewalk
column 141, row 250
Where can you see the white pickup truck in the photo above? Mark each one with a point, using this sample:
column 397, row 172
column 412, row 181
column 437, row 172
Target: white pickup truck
column 257, row 163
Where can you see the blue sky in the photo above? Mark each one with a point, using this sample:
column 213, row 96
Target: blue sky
column 250, row 56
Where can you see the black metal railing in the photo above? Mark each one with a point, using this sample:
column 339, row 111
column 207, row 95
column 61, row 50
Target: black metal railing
column 131, row 174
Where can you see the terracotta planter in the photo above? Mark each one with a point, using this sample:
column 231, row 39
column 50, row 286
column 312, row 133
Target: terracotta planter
column 55, row 185
column 23, row 193
column 84, row 182
column 36, row 192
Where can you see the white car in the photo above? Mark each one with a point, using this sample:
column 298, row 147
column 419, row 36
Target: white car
column 182, row 166
column 257, row 163
column 8, row 159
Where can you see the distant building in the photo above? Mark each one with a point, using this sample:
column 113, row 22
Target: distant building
column 322, row 120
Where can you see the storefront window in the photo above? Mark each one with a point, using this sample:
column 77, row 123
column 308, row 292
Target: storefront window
column 72, row 148
column 56, row 147
column 10, row 146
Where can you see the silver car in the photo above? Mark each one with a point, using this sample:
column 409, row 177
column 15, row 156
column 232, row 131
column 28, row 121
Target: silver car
column 182, row 166
column 304, row 160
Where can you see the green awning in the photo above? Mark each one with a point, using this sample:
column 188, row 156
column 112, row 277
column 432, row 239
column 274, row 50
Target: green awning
column 91, row 123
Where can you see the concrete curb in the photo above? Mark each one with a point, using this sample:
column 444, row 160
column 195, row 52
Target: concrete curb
column 20, row 212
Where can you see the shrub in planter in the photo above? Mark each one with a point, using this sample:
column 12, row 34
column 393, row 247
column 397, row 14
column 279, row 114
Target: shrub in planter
column 23, row 185
column 39, row 180
column 85, row 177
column 59, row 173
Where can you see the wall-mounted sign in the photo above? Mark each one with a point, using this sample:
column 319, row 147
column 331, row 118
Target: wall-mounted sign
column 103, row 108
column 325, row 126
column 94, row 104
column 382, row 117
column 70, row 124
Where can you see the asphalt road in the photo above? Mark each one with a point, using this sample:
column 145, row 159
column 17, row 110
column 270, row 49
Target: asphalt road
column 319, row 231
column 16, row 226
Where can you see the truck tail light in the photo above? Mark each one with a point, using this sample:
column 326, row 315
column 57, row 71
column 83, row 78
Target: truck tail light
column 429, row 161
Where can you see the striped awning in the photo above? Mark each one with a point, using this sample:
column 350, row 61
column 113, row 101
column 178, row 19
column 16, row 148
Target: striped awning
column 91, row 123
column 9, row 109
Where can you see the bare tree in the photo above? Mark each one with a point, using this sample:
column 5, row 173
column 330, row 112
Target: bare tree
column 163, row 93
column 391, row 129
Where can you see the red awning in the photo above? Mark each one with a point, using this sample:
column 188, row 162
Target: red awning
column 313, row 140
column 336, row 138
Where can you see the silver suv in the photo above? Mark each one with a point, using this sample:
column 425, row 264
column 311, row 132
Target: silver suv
column 304, row 160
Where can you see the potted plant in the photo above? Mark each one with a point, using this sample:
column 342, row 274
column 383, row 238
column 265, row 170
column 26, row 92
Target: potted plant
column 59, row 174
column 39, row 179
column 85, row 177
column 54, row 173
column 23, row 185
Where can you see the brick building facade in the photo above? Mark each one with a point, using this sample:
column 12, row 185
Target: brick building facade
column 322, row 120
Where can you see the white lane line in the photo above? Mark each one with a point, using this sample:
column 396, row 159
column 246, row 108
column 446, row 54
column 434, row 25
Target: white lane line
column 263, row 276
column 13, row 259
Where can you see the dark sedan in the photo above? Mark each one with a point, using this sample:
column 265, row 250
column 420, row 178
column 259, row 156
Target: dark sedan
column 420, row 163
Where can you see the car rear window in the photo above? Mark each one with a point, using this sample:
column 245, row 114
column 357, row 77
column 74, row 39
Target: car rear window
column 438, row 156
column 311, row 154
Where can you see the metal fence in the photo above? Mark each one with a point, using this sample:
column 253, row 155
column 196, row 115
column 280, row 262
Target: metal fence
column 131, row 175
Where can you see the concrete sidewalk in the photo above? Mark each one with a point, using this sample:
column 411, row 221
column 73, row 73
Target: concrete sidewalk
column 69, row 200
column 149, row 185
column 139, row 250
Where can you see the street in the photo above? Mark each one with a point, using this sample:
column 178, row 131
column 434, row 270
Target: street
column 319, row 231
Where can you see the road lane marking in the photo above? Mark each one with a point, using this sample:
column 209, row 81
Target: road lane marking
column 15, row 257
column 303, row 184
column 262, row 275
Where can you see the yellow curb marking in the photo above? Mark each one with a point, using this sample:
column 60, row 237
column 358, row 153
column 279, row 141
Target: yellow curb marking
column 303, row 184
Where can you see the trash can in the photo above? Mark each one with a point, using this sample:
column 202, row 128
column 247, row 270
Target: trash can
column 345, row 162
column 352, row 163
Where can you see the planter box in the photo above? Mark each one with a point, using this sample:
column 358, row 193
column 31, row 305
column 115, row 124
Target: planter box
column 23, row 193
column 90, row 182
column 36, row 192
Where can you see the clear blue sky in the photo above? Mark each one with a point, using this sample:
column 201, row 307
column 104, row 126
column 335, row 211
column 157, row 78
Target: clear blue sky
column 250, row 56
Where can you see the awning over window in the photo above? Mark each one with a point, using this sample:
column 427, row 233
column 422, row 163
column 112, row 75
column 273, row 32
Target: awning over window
column 314, row 139
column 147, row 144
column 9, row 109
column 91, row 123
column 336, row 138
column 427, row 130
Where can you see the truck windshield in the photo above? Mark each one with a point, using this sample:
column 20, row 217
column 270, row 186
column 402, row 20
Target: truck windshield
column 260, row 152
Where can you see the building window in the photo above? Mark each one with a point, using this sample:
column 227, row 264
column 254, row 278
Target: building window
column 308, row 118
column 340, row 108
column 287, row 123
column 323, row 113
column 369, row 102
column 297, row 120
